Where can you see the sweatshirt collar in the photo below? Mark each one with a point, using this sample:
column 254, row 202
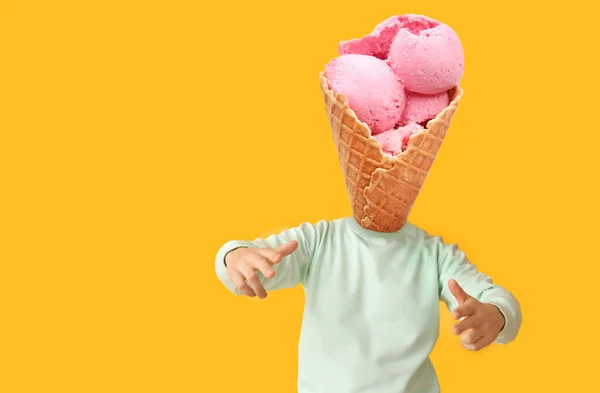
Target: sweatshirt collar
column 356, row 228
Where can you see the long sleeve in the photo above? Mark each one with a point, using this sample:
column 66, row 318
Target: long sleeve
column 453, row 264
column 292, row 269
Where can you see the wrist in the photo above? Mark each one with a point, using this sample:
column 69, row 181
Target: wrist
column 502, row 317
column 228, row 254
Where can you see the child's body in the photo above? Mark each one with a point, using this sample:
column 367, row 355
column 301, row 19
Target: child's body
column 371, row 317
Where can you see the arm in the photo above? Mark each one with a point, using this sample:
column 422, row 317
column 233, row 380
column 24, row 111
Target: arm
column 454, row 265
column 292, row 268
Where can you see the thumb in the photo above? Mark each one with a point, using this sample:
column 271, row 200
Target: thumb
column 287, row 248
column 459, row 294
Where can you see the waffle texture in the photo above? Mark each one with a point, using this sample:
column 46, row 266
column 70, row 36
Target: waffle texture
column 383, row 188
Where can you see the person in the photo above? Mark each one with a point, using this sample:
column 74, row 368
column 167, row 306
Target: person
column 371, row 316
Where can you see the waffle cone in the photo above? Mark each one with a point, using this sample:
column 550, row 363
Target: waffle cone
column 383, row 188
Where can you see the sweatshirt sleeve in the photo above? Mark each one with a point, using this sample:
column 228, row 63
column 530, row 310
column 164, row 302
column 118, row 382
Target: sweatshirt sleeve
column 292, row 269
column 453, row 264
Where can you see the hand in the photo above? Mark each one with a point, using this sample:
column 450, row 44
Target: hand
column 243, row 263
column 482, row 321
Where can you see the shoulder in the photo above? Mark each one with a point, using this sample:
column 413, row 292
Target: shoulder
column 320, row 226
column 329, row 225
column 427, row 239
column 316, row 228
column 419, row 233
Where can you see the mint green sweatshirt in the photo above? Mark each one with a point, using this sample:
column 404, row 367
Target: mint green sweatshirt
column 371, row 317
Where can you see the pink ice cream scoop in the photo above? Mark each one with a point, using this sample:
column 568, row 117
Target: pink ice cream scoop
column 395, row 141
column 375, row 44
column 420, row 107
column 372, row 89
column 427, row 55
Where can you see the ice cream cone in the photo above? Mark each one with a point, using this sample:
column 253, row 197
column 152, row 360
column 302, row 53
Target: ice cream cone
column 383, row 188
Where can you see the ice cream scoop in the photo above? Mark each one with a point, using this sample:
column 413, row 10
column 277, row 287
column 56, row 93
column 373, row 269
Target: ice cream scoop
column 375, row 44
column 420, row 107
column 372, row 89
column 426, row 55
column 395, row 141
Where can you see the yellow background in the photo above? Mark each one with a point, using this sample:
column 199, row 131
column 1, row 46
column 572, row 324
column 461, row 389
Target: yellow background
column 138, row 137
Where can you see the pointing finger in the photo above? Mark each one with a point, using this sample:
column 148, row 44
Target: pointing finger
column 262, row 264
column 287, row 248
column 459, row 294
column 272, row 255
